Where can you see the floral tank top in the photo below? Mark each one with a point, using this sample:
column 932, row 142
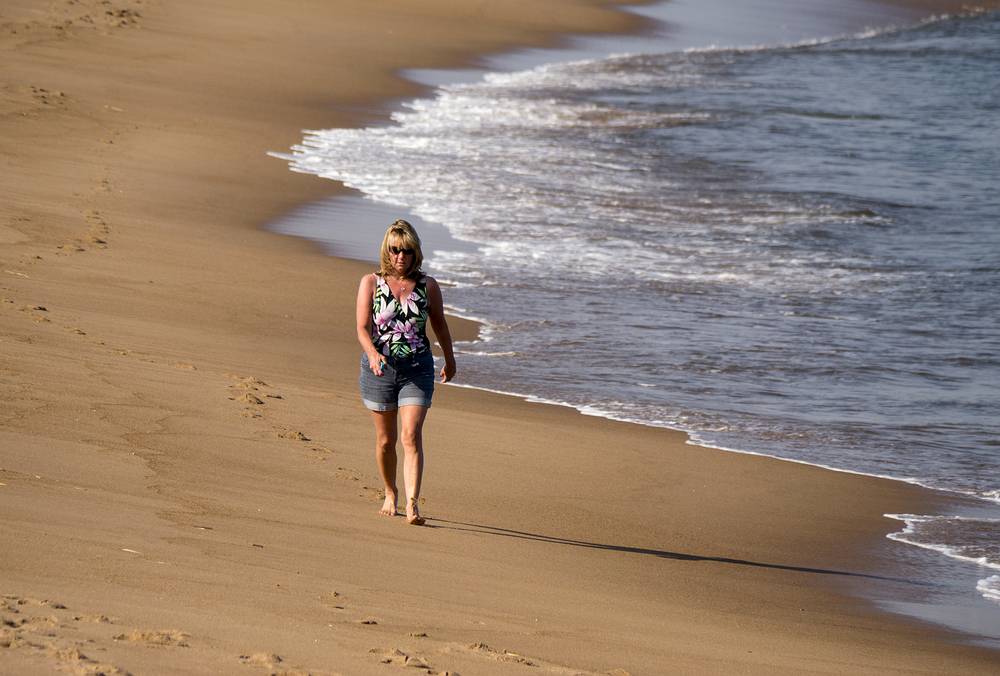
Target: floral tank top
column 398, row 327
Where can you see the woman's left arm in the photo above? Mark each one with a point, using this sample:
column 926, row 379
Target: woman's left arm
column 435, row 308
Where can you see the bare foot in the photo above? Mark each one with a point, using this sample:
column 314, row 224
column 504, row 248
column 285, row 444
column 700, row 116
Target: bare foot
column 413, row 513
column 389, row 506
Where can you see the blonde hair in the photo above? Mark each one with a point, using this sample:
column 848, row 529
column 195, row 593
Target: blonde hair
column 402, row 234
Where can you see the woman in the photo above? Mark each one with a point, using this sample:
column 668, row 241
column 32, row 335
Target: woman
column 397, row 368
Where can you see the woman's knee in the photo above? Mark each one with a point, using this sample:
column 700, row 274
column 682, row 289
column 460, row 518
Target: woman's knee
column 411, row 438
column 385, row 443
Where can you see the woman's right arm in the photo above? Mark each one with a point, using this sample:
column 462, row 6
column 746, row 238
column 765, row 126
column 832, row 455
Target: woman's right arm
column 363, row 317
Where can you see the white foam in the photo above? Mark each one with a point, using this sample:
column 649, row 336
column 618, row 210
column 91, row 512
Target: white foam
column 990, row 588
column 911, row 535
column 483, row 353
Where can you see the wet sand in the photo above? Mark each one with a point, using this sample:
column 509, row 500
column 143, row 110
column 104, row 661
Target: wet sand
column 186, row 474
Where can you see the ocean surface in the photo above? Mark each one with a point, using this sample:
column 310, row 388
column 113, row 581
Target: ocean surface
column 784, row 249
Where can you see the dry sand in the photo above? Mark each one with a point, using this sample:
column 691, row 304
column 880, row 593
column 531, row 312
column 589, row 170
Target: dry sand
column 186, row 474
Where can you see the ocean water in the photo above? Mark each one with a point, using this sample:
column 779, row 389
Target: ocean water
column 786, row 249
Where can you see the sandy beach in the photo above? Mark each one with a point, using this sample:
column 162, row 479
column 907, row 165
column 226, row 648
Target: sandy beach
column 187, row 482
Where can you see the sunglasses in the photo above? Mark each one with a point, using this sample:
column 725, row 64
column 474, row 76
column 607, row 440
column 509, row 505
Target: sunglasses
column 395, row 251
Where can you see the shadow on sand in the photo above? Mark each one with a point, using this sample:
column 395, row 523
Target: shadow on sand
column 659, row 553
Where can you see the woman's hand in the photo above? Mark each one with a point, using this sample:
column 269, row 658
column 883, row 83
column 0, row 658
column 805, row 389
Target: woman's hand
column 376, row 362
column 448, row 370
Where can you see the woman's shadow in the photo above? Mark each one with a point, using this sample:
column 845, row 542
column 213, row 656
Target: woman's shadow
column 645, row 551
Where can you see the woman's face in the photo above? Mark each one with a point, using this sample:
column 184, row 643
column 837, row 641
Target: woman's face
column 400, row 256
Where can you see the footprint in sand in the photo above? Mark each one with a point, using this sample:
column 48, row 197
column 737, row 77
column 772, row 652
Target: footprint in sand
column 164, row 637
column 77, row 662
column 99, row 229
column 245, row 391
column 268, row 660
column 88, row 14
column 36, row 312
column 69, row 248
column 364, row 491
column 96, row 619
column 275, row 664
column 255, row 395
column 31, row 100
column 46, row 628
column 484, row 650
column 248, row 383
column 285, row 433
column 122, row 17
column 321, row 453
column 48, row 97
column 14, row 603
column 346, row 474
column 399, row 658
column 372, row 493
column 487, row 652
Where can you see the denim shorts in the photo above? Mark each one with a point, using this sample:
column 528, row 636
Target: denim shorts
column 404, row 382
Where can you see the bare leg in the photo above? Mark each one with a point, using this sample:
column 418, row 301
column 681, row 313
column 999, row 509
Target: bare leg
column 412, row 424
column 385, row 457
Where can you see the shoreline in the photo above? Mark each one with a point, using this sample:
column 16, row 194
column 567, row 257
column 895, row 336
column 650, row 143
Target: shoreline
column 143, row 483
column 358, row 205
